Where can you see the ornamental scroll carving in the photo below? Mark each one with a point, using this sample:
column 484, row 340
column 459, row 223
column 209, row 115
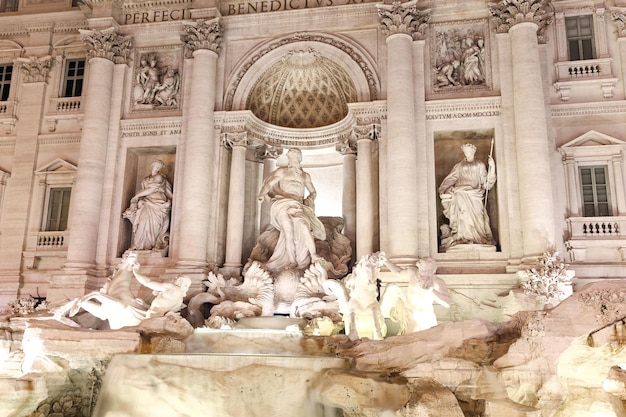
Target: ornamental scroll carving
column 203, row 34
column 232, row 139
column 619, row 20
column 508, row 13
column 403, row 18
column 266, row 151
column 34, row 69
column 107, row 44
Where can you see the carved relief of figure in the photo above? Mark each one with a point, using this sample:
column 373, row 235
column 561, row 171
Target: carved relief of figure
column 472, row 71
column 460, row 58
column 462, row 195
column 167, row 91
column 149, row 211
column 292, row 215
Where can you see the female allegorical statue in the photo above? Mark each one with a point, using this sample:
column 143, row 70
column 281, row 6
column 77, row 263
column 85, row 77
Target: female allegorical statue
column 149, row 211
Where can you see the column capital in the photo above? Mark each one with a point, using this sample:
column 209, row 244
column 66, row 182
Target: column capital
column 233, row 139
column 107, row 43
column 267, row 151
column 399, row 17
column 366, row 132
column 204, row 34
column 507, row 13
column 619, row 20
column 35, row 69
column 347, row 146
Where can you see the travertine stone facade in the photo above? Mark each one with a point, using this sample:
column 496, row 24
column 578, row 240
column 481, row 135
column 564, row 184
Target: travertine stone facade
column 379, row 96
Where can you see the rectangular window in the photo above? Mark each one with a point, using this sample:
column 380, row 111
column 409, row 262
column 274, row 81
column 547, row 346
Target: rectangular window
column 74, row 76
column 580, row 37
column 8, row 5
column 6, row 71
column 58, row 209
column 595, row 191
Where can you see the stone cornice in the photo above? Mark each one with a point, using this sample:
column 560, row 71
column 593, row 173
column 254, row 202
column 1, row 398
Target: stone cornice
column 61, row 139
column 204, row 34
column 588, row 109
column 132, row 5
column 508, row 13
column 404, row 18
column 107, row 44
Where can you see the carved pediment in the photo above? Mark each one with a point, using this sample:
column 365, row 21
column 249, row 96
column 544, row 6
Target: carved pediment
column 592, row 143
column 57, row 166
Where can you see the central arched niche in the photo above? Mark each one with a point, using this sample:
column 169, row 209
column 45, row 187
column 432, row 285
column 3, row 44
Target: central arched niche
column 302, row 90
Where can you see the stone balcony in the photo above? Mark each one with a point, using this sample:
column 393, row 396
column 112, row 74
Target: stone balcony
column 62, row 108
column 45, row 249
column 596, row 239
column 8, row 117
column 594, row 73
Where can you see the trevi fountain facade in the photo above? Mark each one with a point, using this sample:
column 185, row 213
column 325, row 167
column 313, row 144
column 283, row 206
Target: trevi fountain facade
column 317, row 208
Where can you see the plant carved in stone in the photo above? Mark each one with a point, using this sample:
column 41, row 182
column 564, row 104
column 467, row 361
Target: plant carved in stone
column 550, row 281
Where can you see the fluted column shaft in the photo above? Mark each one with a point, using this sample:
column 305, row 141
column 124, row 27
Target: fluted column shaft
column 236, row 203
column 536, row 197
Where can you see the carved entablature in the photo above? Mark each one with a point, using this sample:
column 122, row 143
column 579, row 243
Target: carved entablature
column 399, row 17
column 619, row 20
column 461, row 58
column 232, row 139
column 34, row 69
column 107, row 44
column 453, row 109
column 157, row 79
column 508, row 13
column 204, row 34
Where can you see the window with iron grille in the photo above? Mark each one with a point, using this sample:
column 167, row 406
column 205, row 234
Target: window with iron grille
column 74, row 77
column 595, row 191
column 580, row 37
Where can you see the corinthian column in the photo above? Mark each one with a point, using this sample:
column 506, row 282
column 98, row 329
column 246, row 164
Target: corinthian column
column 402, row 23
column 104, row 49
column 203, row 38
column 348, row 201
column 525, row 21
column 236, row 202
column 619, row 20
column 365, row 135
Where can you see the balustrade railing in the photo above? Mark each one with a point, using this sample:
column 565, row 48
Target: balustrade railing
column 596, row 227
column 66, row 104
column 51, row 240
column 588, row 69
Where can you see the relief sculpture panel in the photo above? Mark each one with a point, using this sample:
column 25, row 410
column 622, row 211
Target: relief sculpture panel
column 157, row 81
column 460, row 56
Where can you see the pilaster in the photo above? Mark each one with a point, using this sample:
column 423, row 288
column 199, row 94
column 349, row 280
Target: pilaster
column 267, row 154
column 349, row 200
column 13, row 229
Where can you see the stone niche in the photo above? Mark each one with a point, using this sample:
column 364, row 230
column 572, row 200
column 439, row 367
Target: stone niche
column 138, row 166
column 447, row 150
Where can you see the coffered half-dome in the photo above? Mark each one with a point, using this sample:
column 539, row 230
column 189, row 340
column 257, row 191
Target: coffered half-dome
column 302, row 90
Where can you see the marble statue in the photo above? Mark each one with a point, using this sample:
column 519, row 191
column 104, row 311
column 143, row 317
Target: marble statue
column 148, row 80
column 358, row 299
column 414, row 310
column 149, row 211
column 168, row 295
column 463, row 194
column 117, row 304
column 292, row 214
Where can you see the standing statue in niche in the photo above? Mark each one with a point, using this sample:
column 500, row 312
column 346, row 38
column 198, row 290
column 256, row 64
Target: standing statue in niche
column 292, row 215
column 463, row 197
column 149, row 211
